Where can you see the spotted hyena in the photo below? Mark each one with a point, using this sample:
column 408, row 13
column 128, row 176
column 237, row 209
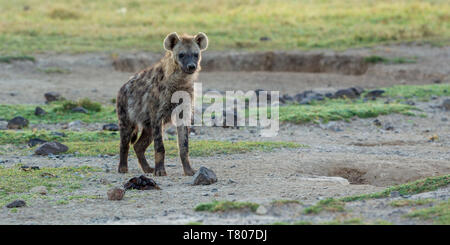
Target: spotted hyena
column 144, row 103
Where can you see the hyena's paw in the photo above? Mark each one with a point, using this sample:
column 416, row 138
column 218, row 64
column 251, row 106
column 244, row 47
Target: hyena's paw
column 148, row 169
column 123, row 169
column 160, row 172
column 189, row 172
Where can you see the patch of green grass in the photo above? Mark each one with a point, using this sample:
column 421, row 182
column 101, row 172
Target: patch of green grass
column 354, row 221
column 16, row 183
column 86, row 103
column 23, row 136
column 418, row 91
column 54, row 70
column 55, row 114
column 416, row 187
column 284, row 202
column 222, row 206
column 439, row 214
column 410, row 203
column 329, row 204
column 93, row 143
column 194, row 223
column 340, row 109
column 196, row 147
column 300, row 222
column 9, row 59
column 234, row 24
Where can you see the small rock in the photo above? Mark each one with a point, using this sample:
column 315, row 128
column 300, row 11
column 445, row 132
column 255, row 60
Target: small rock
column 375, row 93
column 333, row 126
column 264, row 39
column 17, row 204
column 394, row 194
column 444, row 119
column 51, row 148
column 17, row 123
column 350, row 93
column 75, row 124
column 307, row 97
column 230, row 181
column 111, row 127
column 115, row 194
column 446, row 104
column 377, row 123
column 104, row 181
column 261, row 210
column 40, row 190
column 388, row 127
column 80, row 109
column 204, row 176
column 53, row 96
column 59, row 134
column 35, row 141
column 39, row 111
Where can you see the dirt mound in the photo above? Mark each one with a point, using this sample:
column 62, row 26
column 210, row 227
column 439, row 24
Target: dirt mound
column 353, row 175
column 261, row 61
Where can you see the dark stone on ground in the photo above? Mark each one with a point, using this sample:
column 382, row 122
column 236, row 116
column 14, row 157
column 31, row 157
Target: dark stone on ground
column 53, row 96
column 350, row 93
column 58, row 134
column 204, row 176
column 17, row 123
column 79, row 109
column 307, row 97
column 375, row 93
column 141, row 183
column 377, row 123
column 51, row 148
column 35, row 141
column 264, row 39
column 446, row 104
column 17, row 204
column 388, row 126
column 111, row 127
column 39, row 111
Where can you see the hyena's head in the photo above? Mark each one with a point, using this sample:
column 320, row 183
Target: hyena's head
column 186, row 50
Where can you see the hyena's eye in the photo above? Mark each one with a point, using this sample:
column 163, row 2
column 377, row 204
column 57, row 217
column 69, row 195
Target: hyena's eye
column 196, row 55
column 181, row 55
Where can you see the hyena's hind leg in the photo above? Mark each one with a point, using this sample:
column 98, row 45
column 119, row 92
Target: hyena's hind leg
column 140, row 146
column 126, row 135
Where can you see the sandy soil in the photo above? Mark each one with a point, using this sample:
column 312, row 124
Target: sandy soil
column 358, row 158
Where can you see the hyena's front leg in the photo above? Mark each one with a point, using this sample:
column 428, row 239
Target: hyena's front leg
column 140, row 146
column 183, row 148
column 159, row 150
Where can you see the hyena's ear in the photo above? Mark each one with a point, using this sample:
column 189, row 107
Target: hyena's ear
column 170, row 41
column 202, row 40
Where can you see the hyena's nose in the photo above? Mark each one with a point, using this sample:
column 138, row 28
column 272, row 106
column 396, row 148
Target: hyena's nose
column 191, row 67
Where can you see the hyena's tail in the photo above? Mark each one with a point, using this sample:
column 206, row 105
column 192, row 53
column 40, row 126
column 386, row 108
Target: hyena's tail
column 134, row 136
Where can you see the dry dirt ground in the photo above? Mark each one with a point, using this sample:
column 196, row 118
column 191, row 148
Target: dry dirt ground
column 358, row 158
